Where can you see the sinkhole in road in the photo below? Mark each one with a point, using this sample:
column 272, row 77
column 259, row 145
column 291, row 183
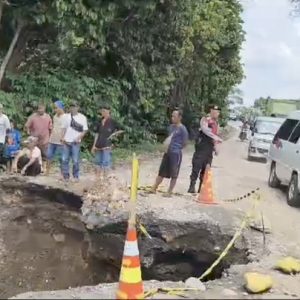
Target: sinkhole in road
column 44, row 245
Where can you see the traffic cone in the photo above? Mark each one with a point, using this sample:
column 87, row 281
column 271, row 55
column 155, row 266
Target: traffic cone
column 130, row 283
column 206, row 195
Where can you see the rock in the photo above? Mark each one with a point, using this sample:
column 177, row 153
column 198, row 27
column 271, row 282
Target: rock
column 257, row 283
column 59, row 238
column 257, row 225
column 229, row 293
column 195, row 283
column 288, row 265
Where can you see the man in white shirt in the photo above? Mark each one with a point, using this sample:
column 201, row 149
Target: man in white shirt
column 75, row 128
column 4, row 127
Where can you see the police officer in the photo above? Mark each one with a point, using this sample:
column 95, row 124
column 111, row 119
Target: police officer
column 206, row 144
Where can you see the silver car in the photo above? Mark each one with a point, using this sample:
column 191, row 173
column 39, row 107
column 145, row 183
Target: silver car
column 284, row 158
column 263, row 132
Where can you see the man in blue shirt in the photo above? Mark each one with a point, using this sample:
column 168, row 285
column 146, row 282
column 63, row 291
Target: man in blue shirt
column 171, row 161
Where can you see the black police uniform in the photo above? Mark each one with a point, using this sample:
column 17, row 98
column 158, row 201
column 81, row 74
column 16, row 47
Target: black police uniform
column 203, row 155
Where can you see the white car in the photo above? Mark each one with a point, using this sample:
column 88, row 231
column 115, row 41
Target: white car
column 284, row 158
column 263, row 131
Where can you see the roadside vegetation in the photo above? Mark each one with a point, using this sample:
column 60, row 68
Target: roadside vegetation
column 143, row 57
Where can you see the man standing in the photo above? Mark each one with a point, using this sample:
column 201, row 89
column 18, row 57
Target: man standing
column 206, row 143
column 55, row 145
column 106, row 129
column 40, row 125
column 171, row 161
column 75, row 128
column 4, row 127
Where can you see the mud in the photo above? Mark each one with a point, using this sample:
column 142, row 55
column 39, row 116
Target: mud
column 45, row 243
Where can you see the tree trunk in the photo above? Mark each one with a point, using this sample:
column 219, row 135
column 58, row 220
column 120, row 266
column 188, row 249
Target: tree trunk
column 1, row 10
column 10, row 52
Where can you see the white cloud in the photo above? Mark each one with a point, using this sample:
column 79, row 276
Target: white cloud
column 270, row 53
column 285, row 50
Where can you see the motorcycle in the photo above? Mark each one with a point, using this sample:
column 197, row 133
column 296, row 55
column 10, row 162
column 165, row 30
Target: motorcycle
column 243, row 134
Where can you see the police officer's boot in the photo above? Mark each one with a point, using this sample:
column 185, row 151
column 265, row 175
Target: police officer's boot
column 191, row 189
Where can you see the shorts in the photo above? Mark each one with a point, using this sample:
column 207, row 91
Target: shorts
column 170, row 165
column 103, row 159
column 54, row 149
column 44, row 151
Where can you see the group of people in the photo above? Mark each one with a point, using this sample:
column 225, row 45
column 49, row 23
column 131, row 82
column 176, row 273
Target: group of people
column 206, row 145
column 62, row 135
column 59, row 136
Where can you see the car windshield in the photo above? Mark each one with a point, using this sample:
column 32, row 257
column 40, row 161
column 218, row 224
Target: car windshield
column 267, row 127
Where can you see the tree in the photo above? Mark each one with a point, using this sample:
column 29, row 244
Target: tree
column 236, row 96
column 21, row 13
column 145, row 57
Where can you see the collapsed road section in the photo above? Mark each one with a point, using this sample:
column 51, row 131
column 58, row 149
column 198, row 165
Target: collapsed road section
column 53, row 239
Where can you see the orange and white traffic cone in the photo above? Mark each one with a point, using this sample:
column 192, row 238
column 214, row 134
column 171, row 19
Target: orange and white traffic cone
column 206, row 195
column 131, row 283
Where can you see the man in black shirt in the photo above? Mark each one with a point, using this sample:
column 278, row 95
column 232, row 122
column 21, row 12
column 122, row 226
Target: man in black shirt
column 106, row 129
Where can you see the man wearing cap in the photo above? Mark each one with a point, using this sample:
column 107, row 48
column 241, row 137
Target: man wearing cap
column 205, row 145
column 106, row 129
column 55, row 145
column 4, row 127
column 75, row 127
column 29, row 160
column 39, row 125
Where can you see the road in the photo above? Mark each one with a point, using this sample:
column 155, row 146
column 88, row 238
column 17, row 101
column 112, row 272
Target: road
column 236, row 175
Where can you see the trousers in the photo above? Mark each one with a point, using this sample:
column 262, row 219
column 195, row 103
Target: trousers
column 199, row 162
column 70, row 150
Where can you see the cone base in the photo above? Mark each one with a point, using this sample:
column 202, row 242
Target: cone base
column 208, row 203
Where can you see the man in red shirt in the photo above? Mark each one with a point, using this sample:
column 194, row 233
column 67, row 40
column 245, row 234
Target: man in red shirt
column 39, row 125
column 205, row 145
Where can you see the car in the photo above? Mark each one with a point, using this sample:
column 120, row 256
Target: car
column 263, row 131
column 284, row 158
column 233, row 117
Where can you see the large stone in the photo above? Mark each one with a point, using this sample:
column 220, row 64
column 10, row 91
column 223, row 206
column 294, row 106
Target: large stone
column 59, row 238
column 261, row 224
column 195, row 283
column 257, row 283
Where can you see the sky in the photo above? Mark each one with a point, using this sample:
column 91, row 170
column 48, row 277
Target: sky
column 271, row 53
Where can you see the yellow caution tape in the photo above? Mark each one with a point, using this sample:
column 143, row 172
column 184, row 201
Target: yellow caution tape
column 244, row 223
column 147, row 188
column 144, row 231
column 245, row 196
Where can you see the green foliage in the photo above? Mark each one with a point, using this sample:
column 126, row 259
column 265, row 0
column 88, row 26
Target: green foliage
column 143, row 57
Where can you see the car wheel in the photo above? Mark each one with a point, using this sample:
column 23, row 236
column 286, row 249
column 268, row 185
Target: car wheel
column 273, row 179
column 293, row 195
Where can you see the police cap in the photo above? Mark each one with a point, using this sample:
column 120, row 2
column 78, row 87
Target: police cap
column 215, row 107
